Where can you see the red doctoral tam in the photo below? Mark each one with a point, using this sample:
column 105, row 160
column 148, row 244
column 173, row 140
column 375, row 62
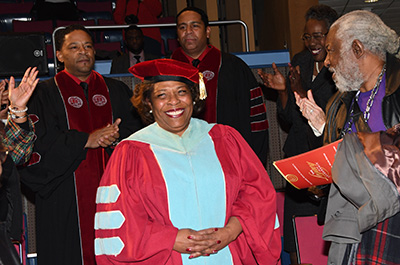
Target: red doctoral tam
column 169, row 70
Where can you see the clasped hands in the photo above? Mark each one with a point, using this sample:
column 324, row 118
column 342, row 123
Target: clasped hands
column 105, row 136
column 208, row 241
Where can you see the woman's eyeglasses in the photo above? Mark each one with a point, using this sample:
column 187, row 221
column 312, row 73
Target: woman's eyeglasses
column 318, row 36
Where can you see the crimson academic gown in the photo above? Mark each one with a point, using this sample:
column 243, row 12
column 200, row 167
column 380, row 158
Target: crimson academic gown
column 157, row 182
column 58, row 153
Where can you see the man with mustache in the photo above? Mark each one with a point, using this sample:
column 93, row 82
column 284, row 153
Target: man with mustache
column 363, row 55
column 233, row 95
column 79, row 116
column 365, row 69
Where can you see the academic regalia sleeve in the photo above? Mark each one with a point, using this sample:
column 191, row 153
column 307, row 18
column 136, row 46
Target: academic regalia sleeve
column 255, row 203
column 234, row 82
column 238, row 106
column 132, row 191
column 57, row 151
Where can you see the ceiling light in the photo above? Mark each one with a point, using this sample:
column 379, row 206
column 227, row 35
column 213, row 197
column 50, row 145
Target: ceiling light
column 371, row 1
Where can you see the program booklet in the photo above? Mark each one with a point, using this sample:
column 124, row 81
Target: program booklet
column 309, row 169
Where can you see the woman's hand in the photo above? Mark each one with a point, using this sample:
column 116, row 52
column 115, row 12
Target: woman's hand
column 311, row 111
column 295, row 81
column 19, row 96
column 275, row 81
column 185, row 242
column 105, row 136
column 208, row 241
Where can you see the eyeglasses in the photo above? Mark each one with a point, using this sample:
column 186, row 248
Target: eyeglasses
column 316, row 36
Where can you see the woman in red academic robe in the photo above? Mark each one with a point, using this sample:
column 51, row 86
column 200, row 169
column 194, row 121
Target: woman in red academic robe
column 182, row 191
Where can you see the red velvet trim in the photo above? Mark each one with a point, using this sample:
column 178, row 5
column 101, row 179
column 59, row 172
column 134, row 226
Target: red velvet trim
column 35, row 158
column 89, row 172
column 257, row 110
column 34, row 118
column 255, row 93
column 259, row 126
column 209, row 66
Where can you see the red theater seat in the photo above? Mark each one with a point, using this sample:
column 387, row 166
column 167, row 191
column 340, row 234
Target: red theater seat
column 310, row 248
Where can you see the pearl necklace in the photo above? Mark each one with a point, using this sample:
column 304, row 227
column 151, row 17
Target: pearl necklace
column 370, row 102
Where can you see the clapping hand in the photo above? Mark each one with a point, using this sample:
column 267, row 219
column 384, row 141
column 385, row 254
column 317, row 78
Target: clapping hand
column 105, row 136
column 311, row 111
column 19, row 96
column 295, row 81
column 275, row 81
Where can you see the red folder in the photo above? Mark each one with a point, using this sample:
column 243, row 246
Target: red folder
column 309, row 169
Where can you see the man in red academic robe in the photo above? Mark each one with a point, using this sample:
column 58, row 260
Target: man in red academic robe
column 79, row 115
column 234, row 96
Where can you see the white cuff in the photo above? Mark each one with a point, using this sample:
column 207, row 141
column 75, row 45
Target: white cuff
column 317, row 132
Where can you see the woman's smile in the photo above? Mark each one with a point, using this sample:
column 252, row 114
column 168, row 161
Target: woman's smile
column 175, row 113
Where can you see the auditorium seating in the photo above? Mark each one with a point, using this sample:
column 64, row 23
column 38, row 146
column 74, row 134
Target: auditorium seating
column 15, row 16
column 45, row 26
column 62, row 23
column 310, row 248
column 168, row 36
column 108, row 46
column 113, row 35
column 100, row 10
column 15, row 7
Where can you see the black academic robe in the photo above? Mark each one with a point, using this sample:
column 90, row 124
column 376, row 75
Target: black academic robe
column 235, row 100
column 301, row 139
column 52, row 178
column 234, row 103
column 10, row 212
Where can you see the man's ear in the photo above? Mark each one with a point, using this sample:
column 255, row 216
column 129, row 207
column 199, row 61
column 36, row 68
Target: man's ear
column 358, row 48
column 60, row 56
column 208, row 32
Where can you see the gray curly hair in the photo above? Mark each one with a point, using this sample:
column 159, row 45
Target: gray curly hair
column 368, row 28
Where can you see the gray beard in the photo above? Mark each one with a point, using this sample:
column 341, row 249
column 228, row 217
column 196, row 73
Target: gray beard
column 347, row 76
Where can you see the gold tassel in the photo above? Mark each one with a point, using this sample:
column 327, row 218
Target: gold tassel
column 202, row 87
